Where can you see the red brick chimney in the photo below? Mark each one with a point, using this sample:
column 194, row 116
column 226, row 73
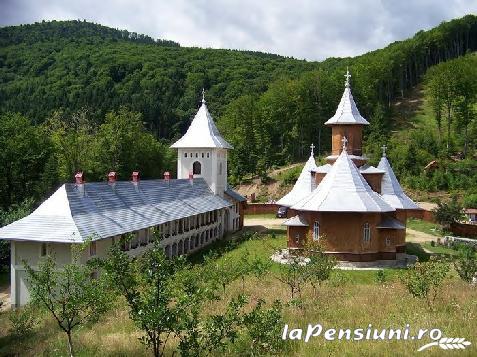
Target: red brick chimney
column 79, row 178
column 112, row 177
column 135, row 176
column 167, row 175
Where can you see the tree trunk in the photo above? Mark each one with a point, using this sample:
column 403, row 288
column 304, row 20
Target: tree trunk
column 448, row 126
column 70, row 344
column 465, row 142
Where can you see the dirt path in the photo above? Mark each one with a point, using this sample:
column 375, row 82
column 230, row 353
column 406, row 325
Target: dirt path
column 264, row 222
column 418, row 237
column 5, row 297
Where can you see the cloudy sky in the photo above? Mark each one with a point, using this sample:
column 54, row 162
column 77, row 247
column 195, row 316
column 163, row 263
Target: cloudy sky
column 310, row 29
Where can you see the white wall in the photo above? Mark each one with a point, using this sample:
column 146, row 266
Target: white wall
column 210, row 166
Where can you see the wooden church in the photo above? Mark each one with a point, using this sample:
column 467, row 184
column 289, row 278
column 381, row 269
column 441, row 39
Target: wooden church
column 358, row 211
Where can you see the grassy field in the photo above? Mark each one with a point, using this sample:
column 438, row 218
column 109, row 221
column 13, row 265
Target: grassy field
column 350, row 299
column 424, row 226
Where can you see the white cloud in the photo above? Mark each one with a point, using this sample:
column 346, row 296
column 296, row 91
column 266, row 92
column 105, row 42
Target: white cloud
column 308, row 29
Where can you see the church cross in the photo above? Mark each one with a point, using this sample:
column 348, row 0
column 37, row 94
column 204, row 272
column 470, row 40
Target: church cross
column 347, row 76
column 344, row 141
column 384, row 147
column 312, row 147
column 203, row 95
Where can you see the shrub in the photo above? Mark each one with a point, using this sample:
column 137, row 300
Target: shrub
column 447, row 213
column 22, row 322
column 380, row 276
column 423, row 280
column 290, row 176
column 470, row 201
column 466, row 263
column 263, row 327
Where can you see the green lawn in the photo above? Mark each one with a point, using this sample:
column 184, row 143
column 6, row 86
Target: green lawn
column 260, row 216
column 424, row 226
column 350, row 299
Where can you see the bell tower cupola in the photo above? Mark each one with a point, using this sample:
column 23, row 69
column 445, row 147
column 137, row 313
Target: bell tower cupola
column 347, row 123
column 202, row 151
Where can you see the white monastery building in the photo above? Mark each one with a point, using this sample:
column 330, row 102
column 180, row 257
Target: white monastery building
column 187, row 213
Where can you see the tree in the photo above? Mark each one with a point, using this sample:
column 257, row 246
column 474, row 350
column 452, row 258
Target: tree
column 466, row 263
column 147, row 285
column 15, row 213
column 70, row 293
column 424, row 279
column 123, row 145
column 294, row 274
column 320, row 265
column 25, row 151
column 448, row 213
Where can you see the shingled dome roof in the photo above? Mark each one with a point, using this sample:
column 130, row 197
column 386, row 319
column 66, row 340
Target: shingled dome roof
column 391, row 190
column 202, row 133
column 303, row 185
column 347, row 111
column 343, row 189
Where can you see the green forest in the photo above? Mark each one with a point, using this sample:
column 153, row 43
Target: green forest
column 80, row 96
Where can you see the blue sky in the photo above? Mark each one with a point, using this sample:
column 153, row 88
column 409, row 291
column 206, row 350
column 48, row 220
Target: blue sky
column 310, row 29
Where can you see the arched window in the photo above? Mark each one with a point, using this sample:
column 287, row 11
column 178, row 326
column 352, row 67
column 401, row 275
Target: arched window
column 316, row 231
column 185, row 154
column 202, row 155
column 208, row 155
column 196, row 168
column 196, row 155
column 366, row 233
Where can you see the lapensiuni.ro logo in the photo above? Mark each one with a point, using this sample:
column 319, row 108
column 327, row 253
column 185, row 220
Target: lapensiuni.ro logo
column 373, row 334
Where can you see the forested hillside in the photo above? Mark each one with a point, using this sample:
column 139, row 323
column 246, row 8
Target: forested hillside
column 80, row 96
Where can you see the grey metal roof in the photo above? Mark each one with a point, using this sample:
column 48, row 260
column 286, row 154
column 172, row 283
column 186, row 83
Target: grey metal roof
column 343, row 189
column 391, row 190
column 323, row 169
column 368, row 169
column 202, row 133
column 303, row 185
column 99, row 210
column 391, row 223
column 297, row 221
column 347, row 111
column 235, row 195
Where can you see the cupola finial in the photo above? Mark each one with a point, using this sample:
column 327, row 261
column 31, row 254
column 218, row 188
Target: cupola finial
column 345, row 142
column 203, row 95
column 384, row 147
column 312, row 147
column 347, row 76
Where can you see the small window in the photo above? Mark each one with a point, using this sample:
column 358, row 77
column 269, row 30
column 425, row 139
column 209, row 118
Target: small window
column 208, row 155
column 92, row 249
column 43, row 249
column 191, row 155
column 366, row 233
column 196, row 155
column 388, row 241
column 185, row 154
column 297, row 239
column 196, row 168
column 316, row 231
column 202, row 155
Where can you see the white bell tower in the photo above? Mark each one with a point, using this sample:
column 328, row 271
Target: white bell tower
column 202, row 151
